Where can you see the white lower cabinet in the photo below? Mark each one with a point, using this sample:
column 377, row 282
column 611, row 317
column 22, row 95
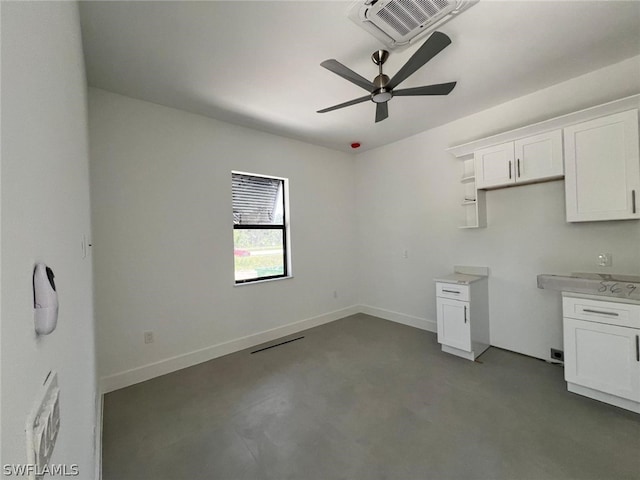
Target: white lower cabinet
column 463, row 315
column 602, row 349
column 454, row 329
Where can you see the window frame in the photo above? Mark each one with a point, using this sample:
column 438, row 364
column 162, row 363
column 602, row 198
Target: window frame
column 284, row 227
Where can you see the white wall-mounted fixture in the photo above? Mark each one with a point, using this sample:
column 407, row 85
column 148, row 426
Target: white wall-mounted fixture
column 605, row 259
column 45, row 300
column 401, row 22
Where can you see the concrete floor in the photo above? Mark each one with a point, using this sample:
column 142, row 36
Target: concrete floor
column 364, row 398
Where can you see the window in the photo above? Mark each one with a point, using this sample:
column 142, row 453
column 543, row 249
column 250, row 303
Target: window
column 260, row 227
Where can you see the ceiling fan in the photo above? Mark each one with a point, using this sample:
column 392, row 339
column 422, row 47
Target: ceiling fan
column 381, row 90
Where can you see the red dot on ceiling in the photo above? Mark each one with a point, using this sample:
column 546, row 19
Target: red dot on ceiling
column 355, row 145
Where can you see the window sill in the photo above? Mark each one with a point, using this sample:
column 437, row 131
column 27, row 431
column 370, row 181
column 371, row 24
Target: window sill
column 266, row 280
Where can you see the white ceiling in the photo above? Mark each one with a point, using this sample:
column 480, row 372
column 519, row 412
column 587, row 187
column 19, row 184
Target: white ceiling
column 257, row 64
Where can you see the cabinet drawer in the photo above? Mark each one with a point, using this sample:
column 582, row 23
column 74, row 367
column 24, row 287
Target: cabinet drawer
column 452, row 290
column 612, row 313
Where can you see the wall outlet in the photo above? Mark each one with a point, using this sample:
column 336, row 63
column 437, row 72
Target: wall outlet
column 557, row 355
column 148, row 337
column 605, row 259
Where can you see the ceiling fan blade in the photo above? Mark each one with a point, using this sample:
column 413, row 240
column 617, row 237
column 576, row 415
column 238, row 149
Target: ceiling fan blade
column 429, row 49
column 382, row 111
column 346, row 104
column 437, row 89
column 348, row 74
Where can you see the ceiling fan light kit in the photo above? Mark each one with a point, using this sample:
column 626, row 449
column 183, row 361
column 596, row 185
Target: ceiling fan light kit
column 381, row 89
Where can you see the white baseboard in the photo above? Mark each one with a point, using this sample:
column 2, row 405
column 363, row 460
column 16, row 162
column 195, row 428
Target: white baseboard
column 417, row 322
column 162, row 367
column 98, row 436
column 168, row 365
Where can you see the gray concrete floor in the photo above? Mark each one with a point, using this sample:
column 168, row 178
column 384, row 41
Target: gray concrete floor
column 364, row 398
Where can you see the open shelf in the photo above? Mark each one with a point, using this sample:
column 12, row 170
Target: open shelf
column 474, row 210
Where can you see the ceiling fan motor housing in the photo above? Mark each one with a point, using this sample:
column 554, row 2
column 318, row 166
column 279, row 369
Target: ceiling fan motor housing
column 381, row 94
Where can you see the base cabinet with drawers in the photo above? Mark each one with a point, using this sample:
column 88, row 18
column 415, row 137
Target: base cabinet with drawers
column 602, row 349
column 462, row 303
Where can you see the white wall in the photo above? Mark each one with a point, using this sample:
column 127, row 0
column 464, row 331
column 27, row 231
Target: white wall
column 408, row 198
column 162, row 223
column 45, row 213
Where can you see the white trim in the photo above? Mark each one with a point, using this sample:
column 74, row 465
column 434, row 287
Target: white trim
column 562, row 121
column 417, row 322
column 168, row 365
column 262, row 175
column 264, row 280
column 98, row 436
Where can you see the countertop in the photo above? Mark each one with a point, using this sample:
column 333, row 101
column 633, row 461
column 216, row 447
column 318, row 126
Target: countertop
column 608, row 285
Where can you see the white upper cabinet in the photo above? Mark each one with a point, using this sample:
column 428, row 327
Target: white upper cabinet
column 494, row 165
column 524, row 160
column 539, row 157
column 595, row 150
column 603, row 168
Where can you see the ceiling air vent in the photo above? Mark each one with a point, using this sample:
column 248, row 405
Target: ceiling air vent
column 400, row 22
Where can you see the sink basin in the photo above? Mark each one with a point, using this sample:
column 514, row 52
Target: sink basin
column 608, row 285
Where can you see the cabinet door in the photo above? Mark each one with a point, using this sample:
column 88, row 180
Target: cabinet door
column 453, row 323
column 603, row 357
column 602, row 168
column 539, row 157
column 494, row 166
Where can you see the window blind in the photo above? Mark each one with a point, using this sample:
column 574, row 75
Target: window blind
column 257, row 200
